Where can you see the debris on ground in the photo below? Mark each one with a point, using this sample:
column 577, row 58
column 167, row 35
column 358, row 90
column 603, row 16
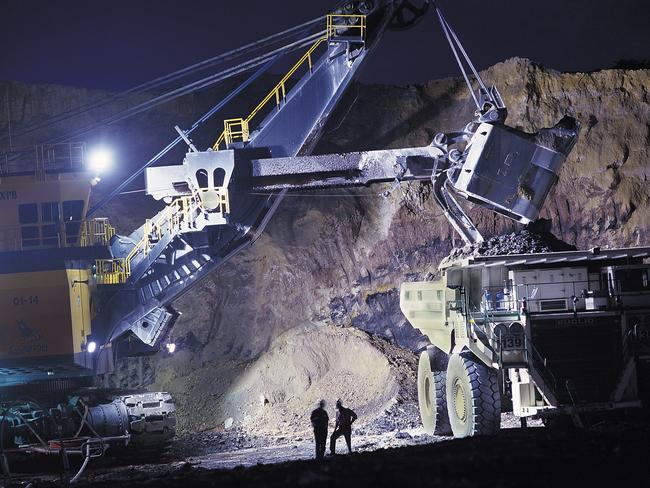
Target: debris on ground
column 612, row 455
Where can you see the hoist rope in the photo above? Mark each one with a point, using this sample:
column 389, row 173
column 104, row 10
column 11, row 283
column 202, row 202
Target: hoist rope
column 172, row 144
column 456, row 45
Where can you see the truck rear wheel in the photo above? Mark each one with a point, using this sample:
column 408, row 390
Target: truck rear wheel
column 473, row 398
column 431, row 396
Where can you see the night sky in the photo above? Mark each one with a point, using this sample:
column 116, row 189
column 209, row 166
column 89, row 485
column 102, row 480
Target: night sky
column 117, row 44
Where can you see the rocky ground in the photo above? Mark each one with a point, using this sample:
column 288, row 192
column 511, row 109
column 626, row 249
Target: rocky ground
column 606, row 455
column 397, row 427
column 227, row 449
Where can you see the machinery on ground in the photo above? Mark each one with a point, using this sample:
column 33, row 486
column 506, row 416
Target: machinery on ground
column 48, row 402
column 76, row 296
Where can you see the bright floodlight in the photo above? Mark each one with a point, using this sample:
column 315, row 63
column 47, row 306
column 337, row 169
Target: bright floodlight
column 91, row 347
column 99, row 159
column 171, row 347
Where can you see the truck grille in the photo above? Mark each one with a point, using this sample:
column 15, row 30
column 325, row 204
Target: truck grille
column 583, row 355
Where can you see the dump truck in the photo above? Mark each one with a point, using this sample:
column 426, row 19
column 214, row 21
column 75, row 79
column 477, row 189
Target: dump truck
column 558, row 335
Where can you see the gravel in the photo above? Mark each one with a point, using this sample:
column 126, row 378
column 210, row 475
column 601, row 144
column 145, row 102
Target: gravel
column 536, row 237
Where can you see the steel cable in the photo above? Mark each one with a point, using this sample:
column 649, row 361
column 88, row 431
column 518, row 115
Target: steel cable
column 185, row 90
column 456, row 45
column 168, row 78
column 196, row 124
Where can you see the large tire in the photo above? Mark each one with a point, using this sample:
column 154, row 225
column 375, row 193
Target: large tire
column 473, row 398
column 431, row 396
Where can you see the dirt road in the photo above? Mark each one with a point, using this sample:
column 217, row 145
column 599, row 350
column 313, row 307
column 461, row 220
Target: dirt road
column 606, row 455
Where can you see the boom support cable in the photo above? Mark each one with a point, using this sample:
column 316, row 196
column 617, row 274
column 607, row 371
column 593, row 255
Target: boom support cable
column 171, row 77
column 456, row 46
column 194, row 126
column 185, row 90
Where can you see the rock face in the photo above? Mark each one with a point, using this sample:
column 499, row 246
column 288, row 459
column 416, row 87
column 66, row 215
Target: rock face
column 337, row 258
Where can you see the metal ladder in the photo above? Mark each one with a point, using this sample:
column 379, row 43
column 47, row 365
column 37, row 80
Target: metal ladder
column 152, row 238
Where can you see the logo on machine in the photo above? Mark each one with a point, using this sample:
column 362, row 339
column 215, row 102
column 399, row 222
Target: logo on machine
column 26, row 332
column 8, row 195
column 576, row 322
column 28, row 341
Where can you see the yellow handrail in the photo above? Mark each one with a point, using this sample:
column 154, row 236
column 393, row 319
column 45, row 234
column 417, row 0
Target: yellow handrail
column 230, row 134
column 281, row 84
column 154, row 228
column 117, row 271
column 333, row 27
column 94, row 232
column 278, row 91
column 221, row 138
column 177, row 213
column 111, row 271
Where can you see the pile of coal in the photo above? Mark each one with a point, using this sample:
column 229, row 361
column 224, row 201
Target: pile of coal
column 536, row 237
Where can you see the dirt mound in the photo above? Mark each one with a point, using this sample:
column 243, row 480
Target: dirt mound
column 274, row 394
column 278, row 391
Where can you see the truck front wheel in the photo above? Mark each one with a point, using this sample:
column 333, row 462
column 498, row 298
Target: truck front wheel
column 431, row 396
column 473, row 397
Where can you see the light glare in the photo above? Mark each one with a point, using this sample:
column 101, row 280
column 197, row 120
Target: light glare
column 99, row 159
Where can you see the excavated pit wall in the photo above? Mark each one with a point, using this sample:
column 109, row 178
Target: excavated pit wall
column 338, row 258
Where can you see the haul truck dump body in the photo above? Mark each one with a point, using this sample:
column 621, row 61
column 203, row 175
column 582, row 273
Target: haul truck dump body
column 566, row 332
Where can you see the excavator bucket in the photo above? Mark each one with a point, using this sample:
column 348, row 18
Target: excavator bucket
column 511, row 172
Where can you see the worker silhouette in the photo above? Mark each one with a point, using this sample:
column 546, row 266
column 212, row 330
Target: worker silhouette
column 320, row 421
column 344, row 419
